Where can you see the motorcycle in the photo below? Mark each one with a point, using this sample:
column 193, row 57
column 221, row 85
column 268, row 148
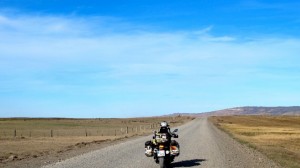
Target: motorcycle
column 164, row 149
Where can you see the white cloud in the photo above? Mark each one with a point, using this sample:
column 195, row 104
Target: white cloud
column 32, row 39
column 53, row 55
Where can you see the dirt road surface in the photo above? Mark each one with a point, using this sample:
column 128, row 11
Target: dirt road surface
column 202, row 145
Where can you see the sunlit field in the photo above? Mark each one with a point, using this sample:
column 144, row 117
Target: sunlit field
column 23, row 138
column 276, row 136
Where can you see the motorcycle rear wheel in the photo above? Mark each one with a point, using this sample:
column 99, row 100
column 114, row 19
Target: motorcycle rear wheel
column 162, row 162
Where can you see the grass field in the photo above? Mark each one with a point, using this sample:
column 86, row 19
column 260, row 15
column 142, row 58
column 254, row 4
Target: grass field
column 278, row 137
column 25, row 138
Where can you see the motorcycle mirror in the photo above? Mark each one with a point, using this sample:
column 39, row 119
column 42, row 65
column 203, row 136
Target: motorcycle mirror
column 176, row 130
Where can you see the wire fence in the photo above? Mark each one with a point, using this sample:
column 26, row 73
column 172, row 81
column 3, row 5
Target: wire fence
column 77, row 132
column 27, row 127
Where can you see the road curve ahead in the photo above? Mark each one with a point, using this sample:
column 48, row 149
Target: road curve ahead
column 202, row 145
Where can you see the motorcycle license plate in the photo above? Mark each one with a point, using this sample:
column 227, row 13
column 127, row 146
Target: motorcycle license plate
column 161, row 153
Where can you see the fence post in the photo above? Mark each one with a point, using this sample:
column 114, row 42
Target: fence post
column 115, row 132
column 51, row 133
column 15, row 133
column 86, row 134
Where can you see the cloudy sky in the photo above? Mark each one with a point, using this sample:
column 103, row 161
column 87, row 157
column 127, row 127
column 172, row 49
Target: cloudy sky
column 135, row 58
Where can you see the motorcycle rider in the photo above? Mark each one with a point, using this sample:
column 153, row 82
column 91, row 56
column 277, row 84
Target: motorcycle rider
column 164, row 128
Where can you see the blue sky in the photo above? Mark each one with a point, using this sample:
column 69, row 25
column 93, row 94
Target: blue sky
column 143, row 58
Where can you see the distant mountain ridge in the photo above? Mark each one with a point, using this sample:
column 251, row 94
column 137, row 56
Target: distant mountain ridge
column 248, row 110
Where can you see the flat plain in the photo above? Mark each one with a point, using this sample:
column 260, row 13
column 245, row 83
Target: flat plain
column 278, row 137
column 202, row 145
column 23, row 138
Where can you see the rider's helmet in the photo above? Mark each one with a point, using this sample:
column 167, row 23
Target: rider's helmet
column 164, row 127
column 164, row 124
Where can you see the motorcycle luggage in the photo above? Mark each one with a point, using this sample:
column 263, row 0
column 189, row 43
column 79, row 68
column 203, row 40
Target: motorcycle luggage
column 175, row 151
column 148, row 143
column 148, row 149
column 175, row 148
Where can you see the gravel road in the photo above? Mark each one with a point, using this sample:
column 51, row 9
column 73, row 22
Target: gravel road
column 202, row 145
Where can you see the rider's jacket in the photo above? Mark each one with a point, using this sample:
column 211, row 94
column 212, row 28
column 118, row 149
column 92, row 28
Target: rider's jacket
column 163, row 130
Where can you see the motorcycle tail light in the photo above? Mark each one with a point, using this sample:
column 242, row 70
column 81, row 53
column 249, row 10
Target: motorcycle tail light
column 161, row 146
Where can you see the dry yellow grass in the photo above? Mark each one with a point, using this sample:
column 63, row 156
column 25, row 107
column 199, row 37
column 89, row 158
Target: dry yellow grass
column 25, row 138
column 276, row 136
column 34, row 147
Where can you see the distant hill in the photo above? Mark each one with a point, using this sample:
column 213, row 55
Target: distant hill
column 293, row 110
